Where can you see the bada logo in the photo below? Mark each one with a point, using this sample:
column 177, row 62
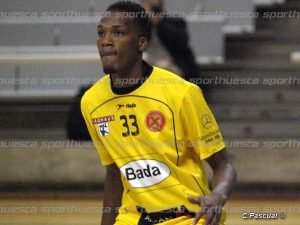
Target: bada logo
column 145, row 173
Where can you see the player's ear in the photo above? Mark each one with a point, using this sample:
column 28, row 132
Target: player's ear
column 143, row 44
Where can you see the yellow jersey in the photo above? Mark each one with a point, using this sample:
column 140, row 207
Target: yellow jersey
column 157, row 134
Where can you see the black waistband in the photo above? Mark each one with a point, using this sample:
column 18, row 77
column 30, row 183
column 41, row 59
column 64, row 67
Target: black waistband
column 162, row 216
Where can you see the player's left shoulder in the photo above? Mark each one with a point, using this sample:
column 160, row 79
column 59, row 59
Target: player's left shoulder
column 96, row 94
column 174, row 81
column 168, row 77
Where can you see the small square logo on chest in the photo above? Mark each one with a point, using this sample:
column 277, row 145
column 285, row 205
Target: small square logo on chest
column 103, row 129
column 103, row 124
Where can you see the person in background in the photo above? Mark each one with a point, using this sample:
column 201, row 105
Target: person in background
column 76, row 128
column 169, row 47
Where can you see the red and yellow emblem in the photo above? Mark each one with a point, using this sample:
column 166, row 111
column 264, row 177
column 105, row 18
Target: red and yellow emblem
column 155, row 121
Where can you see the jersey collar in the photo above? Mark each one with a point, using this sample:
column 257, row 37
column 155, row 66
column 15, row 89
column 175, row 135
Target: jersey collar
column 146, row 72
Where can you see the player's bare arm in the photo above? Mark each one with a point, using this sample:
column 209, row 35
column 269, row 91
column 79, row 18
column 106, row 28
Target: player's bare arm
column 113, row 190
column 224, row 178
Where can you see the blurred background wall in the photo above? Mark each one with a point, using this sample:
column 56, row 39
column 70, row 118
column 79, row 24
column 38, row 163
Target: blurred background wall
column 248, row 55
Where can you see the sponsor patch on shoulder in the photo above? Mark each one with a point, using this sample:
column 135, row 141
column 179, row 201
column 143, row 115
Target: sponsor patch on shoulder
column 206, row 121
column 104, row 119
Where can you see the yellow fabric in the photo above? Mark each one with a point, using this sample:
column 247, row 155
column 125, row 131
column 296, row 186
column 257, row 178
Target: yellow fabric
column 157, row 135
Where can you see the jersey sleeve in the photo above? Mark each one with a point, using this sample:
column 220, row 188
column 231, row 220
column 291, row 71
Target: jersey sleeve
column 105, row 157
column 201, row 129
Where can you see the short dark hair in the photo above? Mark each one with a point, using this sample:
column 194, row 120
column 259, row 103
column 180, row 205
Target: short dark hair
column 137, row 13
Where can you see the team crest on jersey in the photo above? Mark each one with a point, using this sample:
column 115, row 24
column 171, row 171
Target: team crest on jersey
column 103, row 124
column 155, row 121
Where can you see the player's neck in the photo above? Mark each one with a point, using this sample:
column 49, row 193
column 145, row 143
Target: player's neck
column 128, row 77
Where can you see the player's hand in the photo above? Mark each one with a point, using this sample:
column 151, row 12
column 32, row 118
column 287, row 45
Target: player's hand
column 211, row 207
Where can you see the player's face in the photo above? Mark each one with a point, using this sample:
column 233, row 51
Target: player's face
column 118, row 44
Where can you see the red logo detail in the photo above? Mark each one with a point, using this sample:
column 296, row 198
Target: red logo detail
column 104, row 119
column 155, row 121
